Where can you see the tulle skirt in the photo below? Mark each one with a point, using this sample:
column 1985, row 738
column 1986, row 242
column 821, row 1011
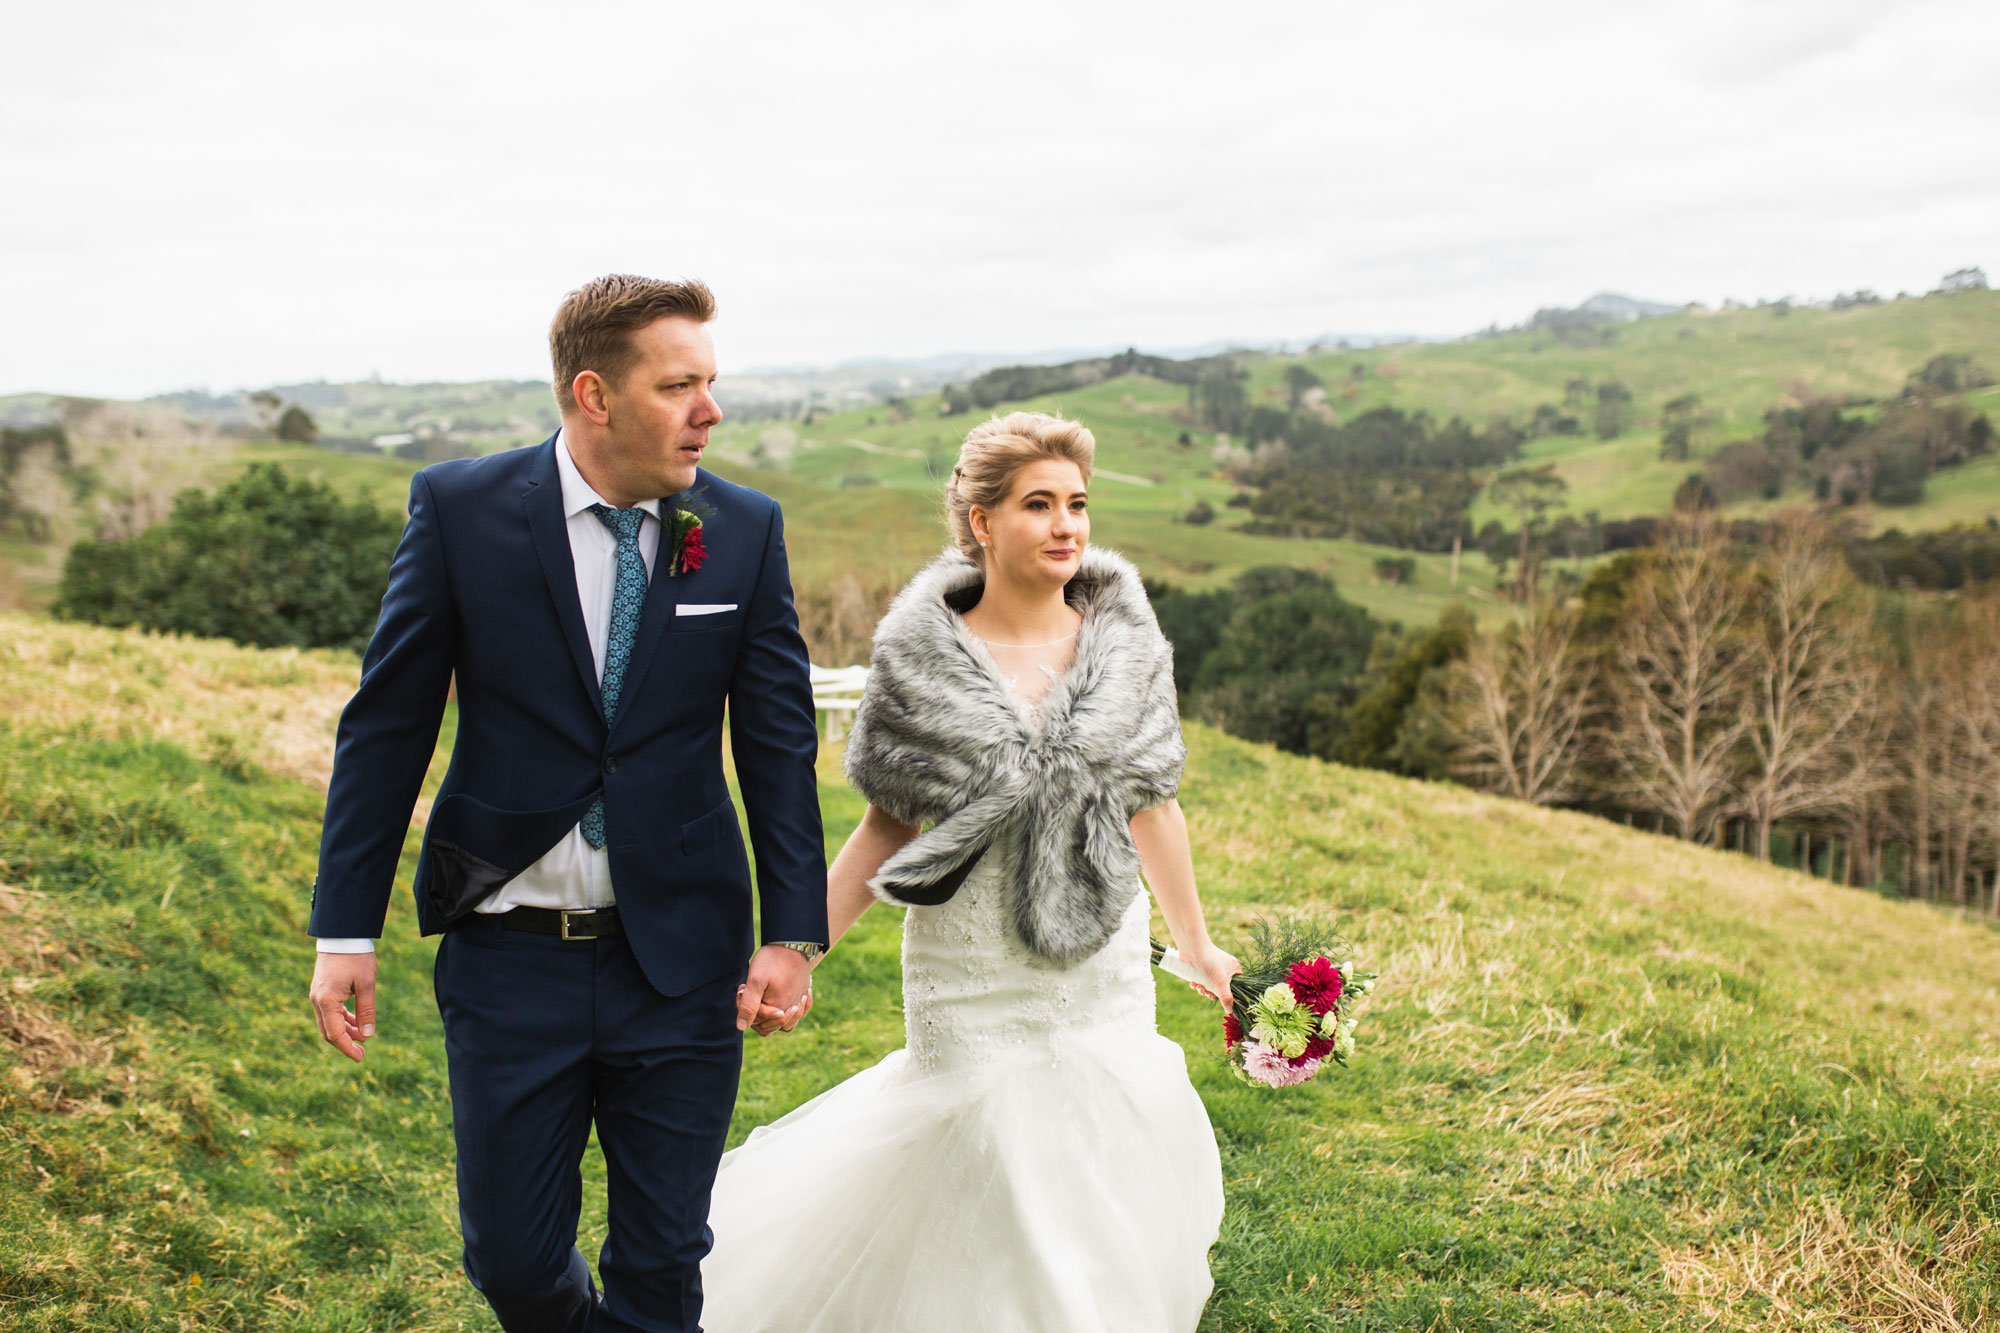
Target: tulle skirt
column 1035, row 1159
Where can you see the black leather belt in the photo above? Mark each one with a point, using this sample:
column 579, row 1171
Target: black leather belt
column 584, row 924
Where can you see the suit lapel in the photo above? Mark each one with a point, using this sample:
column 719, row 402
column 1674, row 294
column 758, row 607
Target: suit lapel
column 542, row 502
column 662, row 597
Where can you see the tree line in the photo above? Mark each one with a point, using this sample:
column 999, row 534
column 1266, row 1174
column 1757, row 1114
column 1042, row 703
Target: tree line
column 1752, row 696
column 1847, row 458
column 1387, row 477
column 1738, row 687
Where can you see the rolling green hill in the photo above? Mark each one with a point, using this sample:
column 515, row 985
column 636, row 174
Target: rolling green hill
column 1609, row 1082
column 1740, row 362
column 861, row 486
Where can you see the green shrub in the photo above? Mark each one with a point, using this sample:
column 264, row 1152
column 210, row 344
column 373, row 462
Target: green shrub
column 268, row 561
column 1281, row 662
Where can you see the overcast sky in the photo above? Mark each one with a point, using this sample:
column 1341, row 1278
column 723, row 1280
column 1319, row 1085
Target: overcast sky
column 225, row 195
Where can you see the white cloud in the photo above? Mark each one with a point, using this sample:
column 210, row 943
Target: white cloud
column 225, row 194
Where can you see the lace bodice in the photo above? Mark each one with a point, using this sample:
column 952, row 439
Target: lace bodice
column 972, row 995
column 1029, row 671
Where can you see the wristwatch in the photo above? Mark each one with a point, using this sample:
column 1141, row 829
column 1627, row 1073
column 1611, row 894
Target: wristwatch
column 807, row 948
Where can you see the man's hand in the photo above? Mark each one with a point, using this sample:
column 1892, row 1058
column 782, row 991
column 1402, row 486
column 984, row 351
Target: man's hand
column 335, row 977
column 778, row 992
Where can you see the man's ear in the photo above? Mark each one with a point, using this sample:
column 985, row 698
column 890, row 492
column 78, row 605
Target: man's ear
column 593, row 398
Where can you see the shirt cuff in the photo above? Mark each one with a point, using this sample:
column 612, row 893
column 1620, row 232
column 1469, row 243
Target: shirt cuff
column 329, row 944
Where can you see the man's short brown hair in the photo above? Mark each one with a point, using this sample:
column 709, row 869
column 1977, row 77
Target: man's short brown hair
column 593, row 329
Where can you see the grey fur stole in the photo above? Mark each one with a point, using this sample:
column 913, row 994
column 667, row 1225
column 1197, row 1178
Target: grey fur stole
column 938, row 740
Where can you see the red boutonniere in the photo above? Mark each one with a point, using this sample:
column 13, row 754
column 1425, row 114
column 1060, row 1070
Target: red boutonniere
column 689, row 549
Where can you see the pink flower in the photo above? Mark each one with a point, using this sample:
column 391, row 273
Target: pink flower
column 1316, row 982
column 1273, row 1070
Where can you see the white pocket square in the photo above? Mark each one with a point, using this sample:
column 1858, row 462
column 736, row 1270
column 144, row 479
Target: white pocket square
column 703, row 608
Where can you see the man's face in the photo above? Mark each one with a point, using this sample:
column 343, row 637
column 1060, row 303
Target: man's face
column 658, row 417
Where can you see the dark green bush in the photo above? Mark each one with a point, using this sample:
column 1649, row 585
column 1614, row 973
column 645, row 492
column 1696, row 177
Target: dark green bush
column 268, row 560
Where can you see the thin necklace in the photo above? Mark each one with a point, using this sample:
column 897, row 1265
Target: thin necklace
column 1050, row 644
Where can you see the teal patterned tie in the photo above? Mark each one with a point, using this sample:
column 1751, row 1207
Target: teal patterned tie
column 628, row 598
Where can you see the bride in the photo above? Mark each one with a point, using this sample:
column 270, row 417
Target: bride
column 1035, row 1158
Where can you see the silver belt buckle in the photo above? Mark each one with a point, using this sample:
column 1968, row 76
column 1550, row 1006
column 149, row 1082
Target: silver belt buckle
column 565, row 924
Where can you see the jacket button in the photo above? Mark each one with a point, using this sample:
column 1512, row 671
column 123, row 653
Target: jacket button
column 610, row 763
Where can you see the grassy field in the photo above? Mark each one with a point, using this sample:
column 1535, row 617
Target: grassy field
column 1610, row 1081
column 862, row 487
column 1741, row 362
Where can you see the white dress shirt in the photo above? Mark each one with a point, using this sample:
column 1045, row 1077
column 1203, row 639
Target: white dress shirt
column 571, row 874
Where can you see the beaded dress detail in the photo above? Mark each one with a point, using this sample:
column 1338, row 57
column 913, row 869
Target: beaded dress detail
column 1034, row 1160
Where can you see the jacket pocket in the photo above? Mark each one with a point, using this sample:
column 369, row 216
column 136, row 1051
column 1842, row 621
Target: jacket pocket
column 719, row 824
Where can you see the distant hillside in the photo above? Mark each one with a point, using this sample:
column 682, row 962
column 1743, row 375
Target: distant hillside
column 878, row 458
column 1610, row 1083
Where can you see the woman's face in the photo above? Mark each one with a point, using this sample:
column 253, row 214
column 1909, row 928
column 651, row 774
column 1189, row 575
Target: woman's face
column 1040, row 529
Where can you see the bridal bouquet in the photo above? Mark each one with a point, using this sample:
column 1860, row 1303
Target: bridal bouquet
column 1291, row 1008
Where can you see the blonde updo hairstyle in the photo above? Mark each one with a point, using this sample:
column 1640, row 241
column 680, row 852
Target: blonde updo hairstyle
column 994, row 451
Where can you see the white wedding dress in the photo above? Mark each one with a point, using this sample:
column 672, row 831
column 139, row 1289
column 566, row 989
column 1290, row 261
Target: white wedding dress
column 1033, row 1161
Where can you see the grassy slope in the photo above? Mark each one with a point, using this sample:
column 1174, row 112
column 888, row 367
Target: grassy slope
column 1610, row 1081
column 1740, row 362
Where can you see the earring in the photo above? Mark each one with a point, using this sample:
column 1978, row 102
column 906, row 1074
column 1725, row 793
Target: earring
column 982, row 543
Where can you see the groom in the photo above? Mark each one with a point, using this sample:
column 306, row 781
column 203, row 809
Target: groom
column 583, row 858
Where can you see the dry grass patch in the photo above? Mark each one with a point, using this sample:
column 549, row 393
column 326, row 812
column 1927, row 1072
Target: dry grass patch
column 275, row 708
column 1824, row 1271
column 42, row 1044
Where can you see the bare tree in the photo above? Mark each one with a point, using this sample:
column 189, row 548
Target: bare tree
column 837, row 617
column 1516, row 706
column 1972, row 704
column 1938, row 745
column 38, row 494
column 144, row 455
column 1868, row 750
column 1676, row 678
column 1807, row 680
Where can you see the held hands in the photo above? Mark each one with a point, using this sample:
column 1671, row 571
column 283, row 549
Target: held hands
column 335, row 977
column 1217, row 966
column 778, row 992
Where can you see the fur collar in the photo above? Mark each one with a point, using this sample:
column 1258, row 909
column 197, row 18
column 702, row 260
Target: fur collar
column 937, row 740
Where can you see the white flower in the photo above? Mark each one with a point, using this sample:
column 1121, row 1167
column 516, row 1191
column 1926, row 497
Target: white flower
column 1278, row 999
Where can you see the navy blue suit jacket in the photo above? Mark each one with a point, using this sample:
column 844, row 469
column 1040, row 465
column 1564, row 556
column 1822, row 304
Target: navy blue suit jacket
column 483, row 589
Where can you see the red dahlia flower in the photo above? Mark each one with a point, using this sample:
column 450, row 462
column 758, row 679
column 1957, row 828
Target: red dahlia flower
column 692, row 553
column 1232, row 1031
column 1316, row 983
